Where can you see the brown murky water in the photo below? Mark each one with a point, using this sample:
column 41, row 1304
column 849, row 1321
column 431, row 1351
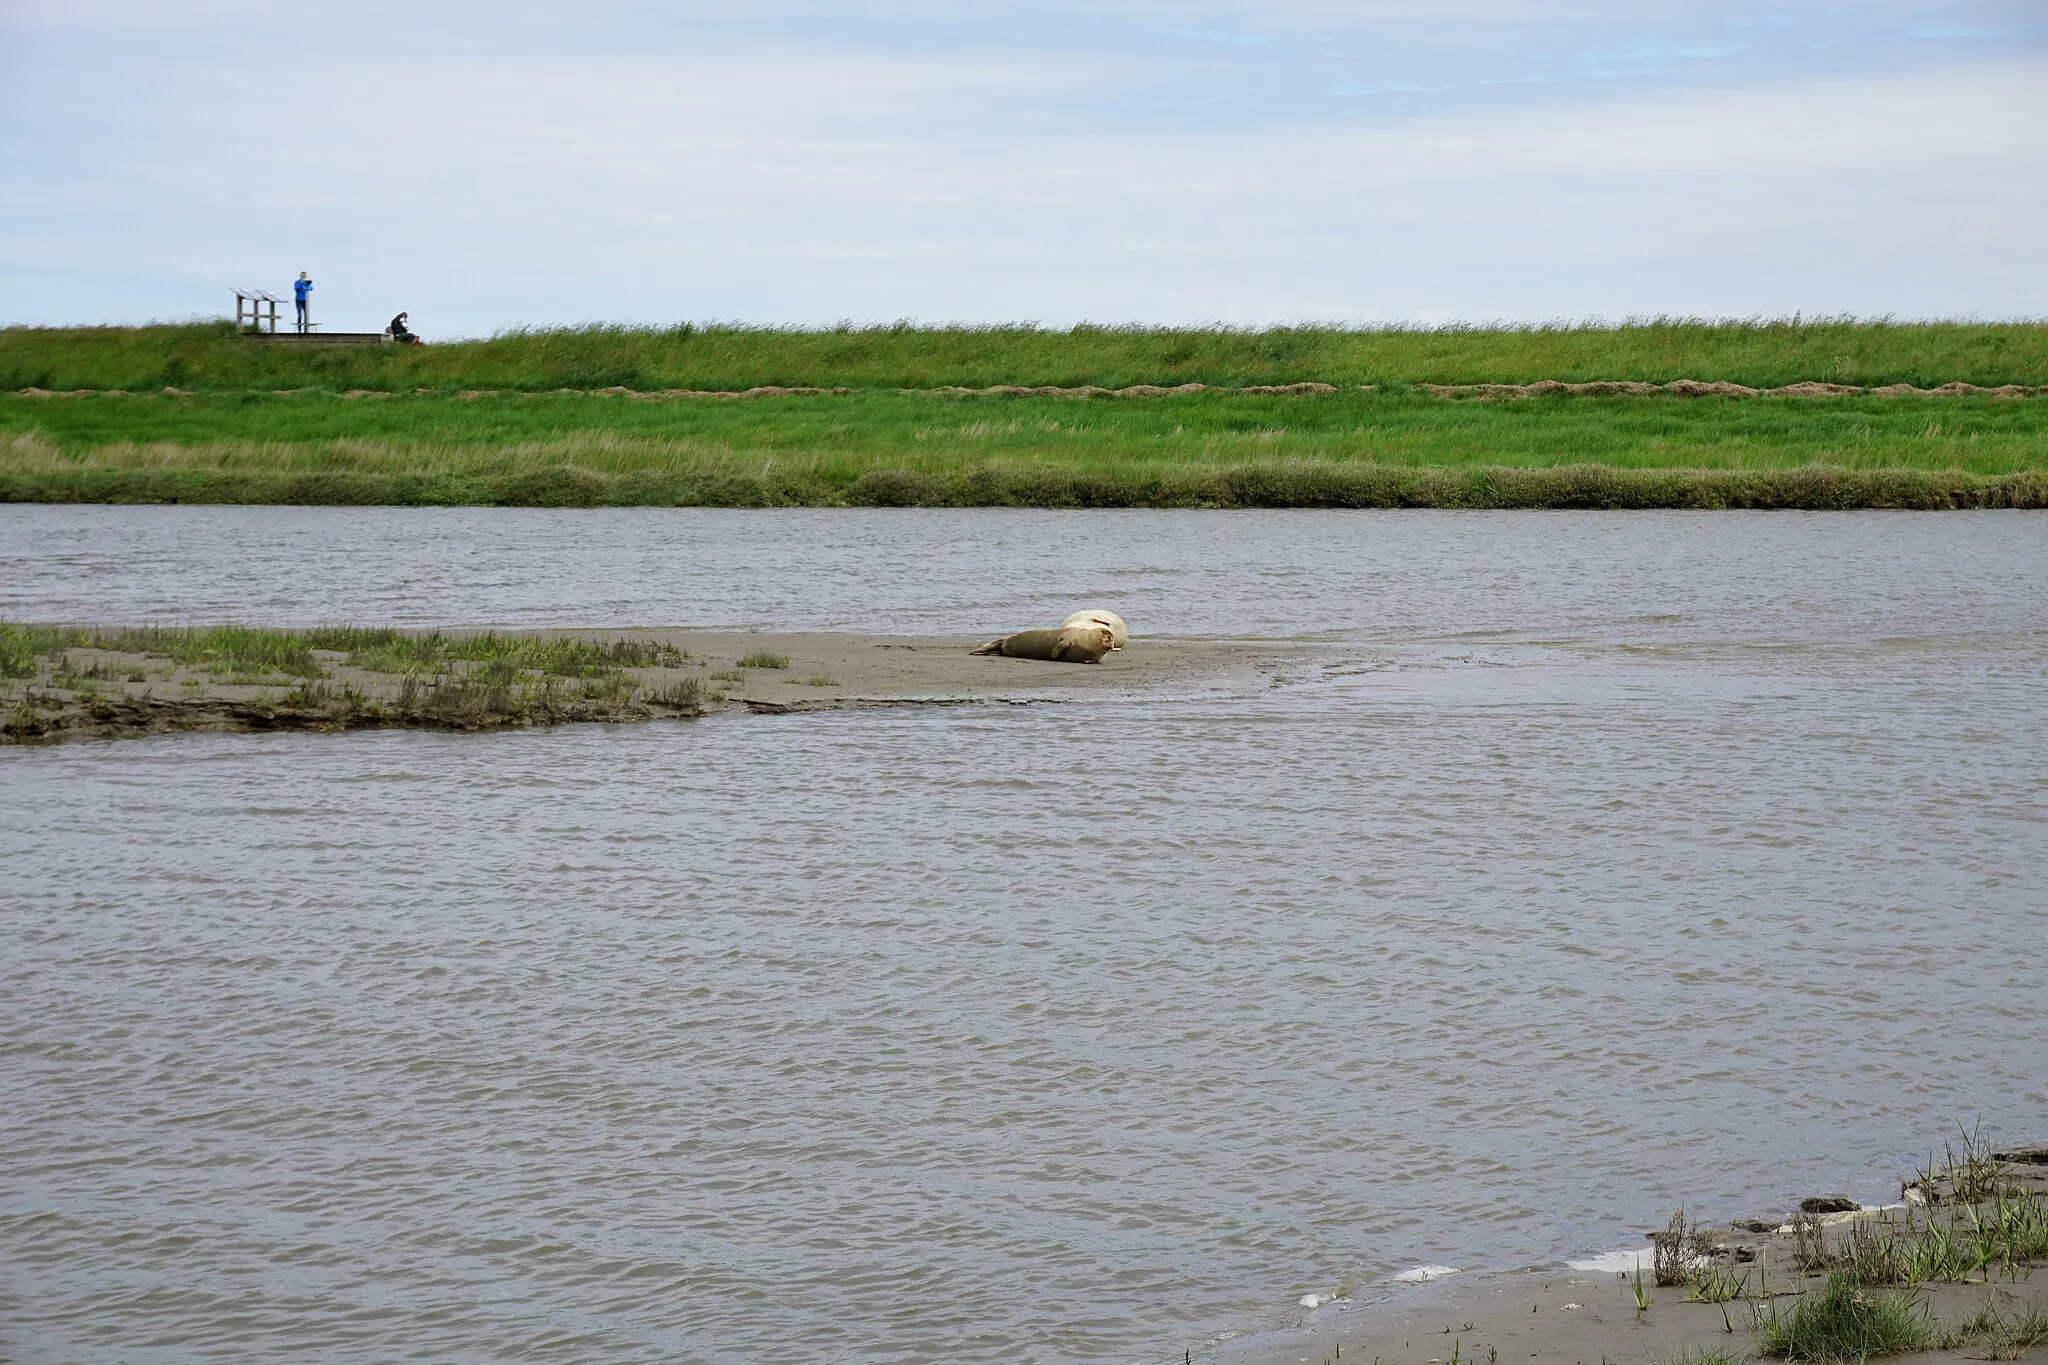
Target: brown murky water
column 1622, row 860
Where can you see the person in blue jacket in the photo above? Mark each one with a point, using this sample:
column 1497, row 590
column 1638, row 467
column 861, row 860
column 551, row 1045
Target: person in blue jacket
column 301, row 287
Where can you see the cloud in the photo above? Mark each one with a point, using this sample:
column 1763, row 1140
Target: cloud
column 486, row 167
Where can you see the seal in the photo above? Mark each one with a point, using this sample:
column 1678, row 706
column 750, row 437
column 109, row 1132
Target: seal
column 1096, row 616
column 1068, row 644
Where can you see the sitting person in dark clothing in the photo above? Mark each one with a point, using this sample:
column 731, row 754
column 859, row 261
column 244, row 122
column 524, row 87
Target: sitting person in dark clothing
column 401, row 334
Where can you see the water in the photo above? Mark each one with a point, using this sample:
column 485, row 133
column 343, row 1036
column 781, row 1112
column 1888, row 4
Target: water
column 1615, row 860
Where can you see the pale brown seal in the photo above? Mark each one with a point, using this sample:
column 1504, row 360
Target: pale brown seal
column 1096, row 616
column 1068, row 644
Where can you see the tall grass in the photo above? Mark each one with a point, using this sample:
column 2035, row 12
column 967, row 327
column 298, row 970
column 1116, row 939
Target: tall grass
column 1757, row 352
column 1843, row 1322
column 793, row 482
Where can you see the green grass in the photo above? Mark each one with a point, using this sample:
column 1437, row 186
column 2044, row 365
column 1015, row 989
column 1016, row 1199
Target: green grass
column 765, row 658
column 1348, row 449
column 222, row 650
column 208, row 356
column 1713, row 1282
column 234, row 440
column 1845, row 1321
column 832, row 440
column 22, row 647
column 388, row 651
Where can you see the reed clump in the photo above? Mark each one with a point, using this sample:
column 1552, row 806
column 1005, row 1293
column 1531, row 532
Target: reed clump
column 1843, row 1322
column 1680, row 1247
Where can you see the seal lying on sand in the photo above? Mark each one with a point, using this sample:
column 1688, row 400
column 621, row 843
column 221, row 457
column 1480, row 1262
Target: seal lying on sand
column 1068, row 644
column 1096, row 616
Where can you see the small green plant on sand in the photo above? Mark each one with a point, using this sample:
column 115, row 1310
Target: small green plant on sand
column 1696, row 1355
column 765, row 658
column 1874, row 1255
column 1642, row 1295
column 684, row 694
column 1810, row 1250
column 1999, row 1337
column 1713, row 1282
column 728, row 675
column 1969, row 1175
column 1844, row 1321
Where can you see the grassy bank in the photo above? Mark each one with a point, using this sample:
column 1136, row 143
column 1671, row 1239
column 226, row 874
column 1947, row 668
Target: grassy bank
column 519, row 419
column 1344, row 449
column 209, row 357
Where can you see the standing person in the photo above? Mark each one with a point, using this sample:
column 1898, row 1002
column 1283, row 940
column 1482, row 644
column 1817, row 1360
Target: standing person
column 301, row 287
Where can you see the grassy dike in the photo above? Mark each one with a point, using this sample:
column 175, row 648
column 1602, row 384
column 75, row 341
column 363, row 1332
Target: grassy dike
column 210, row 357
column 522, row 419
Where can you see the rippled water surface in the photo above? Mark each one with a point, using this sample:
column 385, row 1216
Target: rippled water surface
column 1618, row 860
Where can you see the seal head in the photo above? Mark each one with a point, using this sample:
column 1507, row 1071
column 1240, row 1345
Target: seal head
column 1096, row 616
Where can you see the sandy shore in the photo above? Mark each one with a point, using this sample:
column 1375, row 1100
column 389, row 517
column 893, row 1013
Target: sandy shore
column 830, row 671
column 82, row 692
column 1588, row 1316
column 1584, row 1318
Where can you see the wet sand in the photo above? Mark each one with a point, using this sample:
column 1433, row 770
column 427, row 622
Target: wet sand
column 1585, row 1318
column 1588, row 1316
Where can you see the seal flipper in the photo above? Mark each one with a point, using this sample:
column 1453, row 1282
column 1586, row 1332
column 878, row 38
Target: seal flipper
column 992, row 647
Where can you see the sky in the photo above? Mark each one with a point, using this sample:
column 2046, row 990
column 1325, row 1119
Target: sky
column 493, row 165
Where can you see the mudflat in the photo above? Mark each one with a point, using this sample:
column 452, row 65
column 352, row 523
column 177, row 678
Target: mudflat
column 80, row 682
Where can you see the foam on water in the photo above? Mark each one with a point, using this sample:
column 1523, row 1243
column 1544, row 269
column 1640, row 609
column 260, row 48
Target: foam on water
column 1626, row 1262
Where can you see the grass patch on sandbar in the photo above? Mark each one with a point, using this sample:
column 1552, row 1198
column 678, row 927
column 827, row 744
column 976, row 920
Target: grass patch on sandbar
column 339, row 677
column 1843, row 1322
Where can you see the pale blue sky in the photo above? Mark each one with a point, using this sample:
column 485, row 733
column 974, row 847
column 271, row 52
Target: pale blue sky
column 487, row 165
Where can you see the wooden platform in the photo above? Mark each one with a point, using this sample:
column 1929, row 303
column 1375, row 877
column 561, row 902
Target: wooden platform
column 319, row 338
